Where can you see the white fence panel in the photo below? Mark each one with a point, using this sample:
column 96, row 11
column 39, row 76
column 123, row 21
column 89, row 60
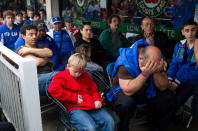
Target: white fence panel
column 19, row 95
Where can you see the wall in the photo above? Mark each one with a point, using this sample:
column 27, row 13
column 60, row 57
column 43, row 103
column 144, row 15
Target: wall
column 52, row 8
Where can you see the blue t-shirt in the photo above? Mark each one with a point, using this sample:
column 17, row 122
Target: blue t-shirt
column 9, row 36
column 67, row 47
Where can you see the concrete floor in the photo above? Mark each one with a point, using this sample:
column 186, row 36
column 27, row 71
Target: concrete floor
column 51, row 123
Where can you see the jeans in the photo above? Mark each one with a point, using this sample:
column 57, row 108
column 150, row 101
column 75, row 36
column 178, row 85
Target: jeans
column 44, row 80
column 92, row 120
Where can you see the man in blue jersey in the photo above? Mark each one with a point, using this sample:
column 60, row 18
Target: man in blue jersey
column 42, row 38
column 9, row 32
column 62, row 39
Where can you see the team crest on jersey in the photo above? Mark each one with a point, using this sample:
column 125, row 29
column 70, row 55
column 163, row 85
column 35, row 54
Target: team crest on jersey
column 180, row 53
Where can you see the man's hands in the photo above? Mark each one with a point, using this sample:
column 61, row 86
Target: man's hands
column 98, row 104
column 80, row 99
column 152, row 66
column 40, row 52
column 162, row 66
column 172, row 85
column 149, row 68
column 149, row 38
column 24, row 51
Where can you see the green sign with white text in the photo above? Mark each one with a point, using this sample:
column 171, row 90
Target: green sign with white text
column 172, row 33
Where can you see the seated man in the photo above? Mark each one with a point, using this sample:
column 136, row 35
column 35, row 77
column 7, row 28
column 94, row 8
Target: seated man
column 183, row 71
column 139, row 72
column 111, row 39
column 41, row 55
column 79, row 93
column 62, row 40
column 43, row 38
column 71, row 30
column 156, row 38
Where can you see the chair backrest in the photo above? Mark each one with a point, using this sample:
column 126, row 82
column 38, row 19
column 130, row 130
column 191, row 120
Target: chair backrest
column 109, row 70
column 100, row 80
column 56, row 101
column 63, row 114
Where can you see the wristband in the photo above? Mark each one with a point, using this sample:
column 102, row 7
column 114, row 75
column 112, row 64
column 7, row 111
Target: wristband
column 170, row 79
column 144, row 75
column 177, row 82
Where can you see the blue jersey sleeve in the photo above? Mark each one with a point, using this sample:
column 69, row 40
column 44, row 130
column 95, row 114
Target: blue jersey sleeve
column 173, row 68
column 20, row 42
column 188, row 73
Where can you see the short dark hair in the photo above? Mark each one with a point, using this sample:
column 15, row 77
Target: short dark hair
column 30, row 8
column 189, row 22
column 83, row 24
column 27, row 27
column 36, row 14
column 42, row 10
column 113, row 16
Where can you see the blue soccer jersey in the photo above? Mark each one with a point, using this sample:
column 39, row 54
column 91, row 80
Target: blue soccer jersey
column 63, row 42
column 9, row 36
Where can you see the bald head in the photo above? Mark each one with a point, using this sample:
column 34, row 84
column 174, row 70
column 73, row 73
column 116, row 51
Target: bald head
column 151, row 52
column 154, row 53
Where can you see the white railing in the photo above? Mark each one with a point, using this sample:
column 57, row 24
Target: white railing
column 19, row 95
